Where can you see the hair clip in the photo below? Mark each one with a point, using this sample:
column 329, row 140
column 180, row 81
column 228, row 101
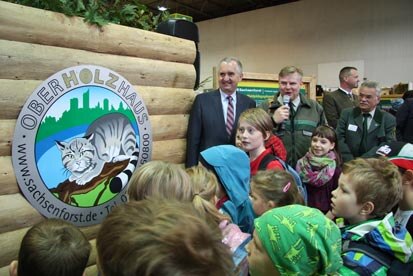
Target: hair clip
column 286, row 187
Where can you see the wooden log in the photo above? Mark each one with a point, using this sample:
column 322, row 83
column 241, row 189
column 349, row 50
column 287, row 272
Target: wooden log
column 158, row 100
column 26, row 24
column 10, row 245
column 164, row 127
column 169, row 150
column 24, row 61
column 16, row 212
column 7, row 128
column 8, row 183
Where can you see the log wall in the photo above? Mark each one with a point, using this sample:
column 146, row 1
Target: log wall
column 35, row 44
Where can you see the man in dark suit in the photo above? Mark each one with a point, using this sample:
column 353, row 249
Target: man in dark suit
column 214, row 115
column 362, row 130
column 334, row 102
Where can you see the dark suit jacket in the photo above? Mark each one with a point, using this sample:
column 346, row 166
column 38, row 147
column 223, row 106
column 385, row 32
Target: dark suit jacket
column 350, row 127
column 335, row 102
column 206, row 127
column 404, row 119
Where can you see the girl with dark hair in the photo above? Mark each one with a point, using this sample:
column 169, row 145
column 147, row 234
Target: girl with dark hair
column 320, row 168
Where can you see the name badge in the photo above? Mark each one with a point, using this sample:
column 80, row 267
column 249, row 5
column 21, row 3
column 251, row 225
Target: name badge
column 352, row 127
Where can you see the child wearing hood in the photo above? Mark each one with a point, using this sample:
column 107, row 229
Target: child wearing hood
column 232, row 168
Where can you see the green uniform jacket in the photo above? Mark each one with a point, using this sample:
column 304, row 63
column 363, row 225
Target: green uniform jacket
column 299, row 128
column 334, row 102
column 350, row 128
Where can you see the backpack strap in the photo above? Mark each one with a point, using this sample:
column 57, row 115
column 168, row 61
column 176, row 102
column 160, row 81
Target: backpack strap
column 265, row 161
column 379, row 256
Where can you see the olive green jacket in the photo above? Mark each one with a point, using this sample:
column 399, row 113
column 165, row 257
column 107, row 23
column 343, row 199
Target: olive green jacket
column 297, row 131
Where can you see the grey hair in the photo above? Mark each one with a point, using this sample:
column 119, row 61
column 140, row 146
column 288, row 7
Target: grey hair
column 372, row 84
column 234, row 59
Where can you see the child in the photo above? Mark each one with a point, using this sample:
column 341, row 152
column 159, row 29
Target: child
column 254, row 129
column 294, row 240
column 52, row 247
column 205, row 186
column 271, row 189
column 161, row 179
column 160, row 237
column 232, row 168
column 401, row 154
column 320, row 168
column 367, row 191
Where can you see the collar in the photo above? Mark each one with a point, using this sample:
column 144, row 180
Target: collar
column 297, row 101
column 377, row 116
column 345, row 91
column 224, row 95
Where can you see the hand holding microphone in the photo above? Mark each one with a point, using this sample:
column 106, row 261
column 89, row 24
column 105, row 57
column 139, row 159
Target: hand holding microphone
column 283, row 112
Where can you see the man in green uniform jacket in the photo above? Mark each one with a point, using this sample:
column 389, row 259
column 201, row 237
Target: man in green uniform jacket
column 295, row 121
column 380, row 125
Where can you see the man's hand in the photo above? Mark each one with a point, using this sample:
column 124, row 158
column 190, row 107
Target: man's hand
column 281, row 114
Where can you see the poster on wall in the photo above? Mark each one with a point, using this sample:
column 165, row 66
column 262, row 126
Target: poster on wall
column 261, row 90
column 78, row 139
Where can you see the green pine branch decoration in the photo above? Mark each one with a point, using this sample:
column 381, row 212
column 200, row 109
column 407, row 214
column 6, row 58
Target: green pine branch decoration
column 101, row 12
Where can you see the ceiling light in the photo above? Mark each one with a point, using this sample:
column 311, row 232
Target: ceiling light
column 162, row 8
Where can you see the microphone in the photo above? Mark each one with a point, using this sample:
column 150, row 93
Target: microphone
column 286, row 101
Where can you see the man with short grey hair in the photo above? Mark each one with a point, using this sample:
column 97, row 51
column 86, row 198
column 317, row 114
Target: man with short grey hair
column 214, row 116
column 362, row 130
column 334, row 102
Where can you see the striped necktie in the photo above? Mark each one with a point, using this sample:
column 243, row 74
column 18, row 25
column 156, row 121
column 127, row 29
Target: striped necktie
column 230, row 116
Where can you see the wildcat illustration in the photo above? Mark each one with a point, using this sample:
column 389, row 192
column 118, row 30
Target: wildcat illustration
column 110, row 138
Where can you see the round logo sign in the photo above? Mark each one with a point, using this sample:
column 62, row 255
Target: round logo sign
column 78, row 139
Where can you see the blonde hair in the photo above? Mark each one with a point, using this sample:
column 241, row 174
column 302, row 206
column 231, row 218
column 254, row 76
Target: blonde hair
column 288, row 70
column 376, row 180
column 257, row 118
column 205, row 185
column 160, row 179
column 272, row 185
column 160, row 237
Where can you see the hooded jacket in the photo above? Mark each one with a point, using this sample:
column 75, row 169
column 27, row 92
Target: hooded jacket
column 232, row 167
column 383, row 236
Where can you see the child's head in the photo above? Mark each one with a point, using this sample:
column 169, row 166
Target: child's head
column 205, row 186
column 160, row 237
column 294, row 240
column 160, row 179
column 254, row 127
column 324, row 140
column 232, row 167
column 52, row 247
column 270, row 189
column 367, row 188
column 401, row 154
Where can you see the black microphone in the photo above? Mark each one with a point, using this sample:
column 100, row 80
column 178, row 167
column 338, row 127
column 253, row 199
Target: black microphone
column 286, row 101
